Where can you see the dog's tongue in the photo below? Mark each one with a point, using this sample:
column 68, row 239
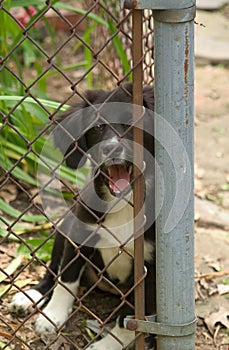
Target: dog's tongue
column 119, row 178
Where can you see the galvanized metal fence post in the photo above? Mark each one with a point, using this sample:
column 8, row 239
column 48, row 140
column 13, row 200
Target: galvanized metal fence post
column 174, row 75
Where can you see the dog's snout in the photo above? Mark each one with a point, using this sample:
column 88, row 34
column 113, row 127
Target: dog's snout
column 113, row 150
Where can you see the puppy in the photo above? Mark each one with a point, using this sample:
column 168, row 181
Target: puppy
column 95, row 240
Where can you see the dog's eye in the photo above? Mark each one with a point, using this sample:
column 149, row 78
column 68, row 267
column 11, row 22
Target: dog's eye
column 98, row 127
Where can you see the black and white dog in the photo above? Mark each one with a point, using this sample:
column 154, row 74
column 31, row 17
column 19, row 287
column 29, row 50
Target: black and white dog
column 96, row 237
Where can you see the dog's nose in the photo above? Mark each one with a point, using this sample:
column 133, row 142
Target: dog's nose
column 113, row 150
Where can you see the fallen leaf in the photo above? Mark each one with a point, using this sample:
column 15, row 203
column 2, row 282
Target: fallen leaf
column 3, row 346
column 216, row 266
column 208, row 286
column 223, row 288
column 11, row 268
column 11, row 336
column 218, row 317
column 13, row 289
column 37, row 198
column 9, row 193
column 93, row 326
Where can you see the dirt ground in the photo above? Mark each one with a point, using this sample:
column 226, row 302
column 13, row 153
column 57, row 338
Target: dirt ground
column 211, row 234
column 212, row 170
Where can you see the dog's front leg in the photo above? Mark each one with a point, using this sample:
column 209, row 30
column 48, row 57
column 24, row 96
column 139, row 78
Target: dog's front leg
column 60, row 305
column 24, row 302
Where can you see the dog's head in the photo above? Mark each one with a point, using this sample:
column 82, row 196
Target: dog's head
column 101, row 129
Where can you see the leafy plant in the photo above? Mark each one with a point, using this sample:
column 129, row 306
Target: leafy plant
column 22, row 51
column 27, row 120
column 22, row 118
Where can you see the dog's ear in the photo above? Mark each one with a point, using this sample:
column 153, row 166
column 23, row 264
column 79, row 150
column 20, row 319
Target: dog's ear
column 148, row 97
column 69, row 136
column 94, row 96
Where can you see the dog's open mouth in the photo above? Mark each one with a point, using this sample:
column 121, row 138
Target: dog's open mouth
column 119, row 177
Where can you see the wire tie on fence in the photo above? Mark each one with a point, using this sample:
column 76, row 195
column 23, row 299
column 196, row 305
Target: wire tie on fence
column 150, row 326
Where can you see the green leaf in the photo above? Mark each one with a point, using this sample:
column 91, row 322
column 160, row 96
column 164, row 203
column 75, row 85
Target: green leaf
column 47, row 103
column 64, row 68
column 7, row 208
column 96, row 18
column 119, row 47
column 44, row 252
column 25, row 3
column 76, row 177
column 17, row 172
column 20, row 229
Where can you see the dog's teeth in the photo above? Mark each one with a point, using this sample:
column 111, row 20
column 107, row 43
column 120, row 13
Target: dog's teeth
column 130, row 170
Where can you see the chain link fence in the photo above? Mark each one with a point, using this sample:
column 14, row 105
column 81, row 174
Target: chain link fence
column 51, row 52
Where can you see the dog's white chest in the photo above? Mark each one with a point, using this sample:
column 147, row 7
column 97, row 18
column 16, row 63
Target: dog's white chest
column 119, row 265
column 117, row 230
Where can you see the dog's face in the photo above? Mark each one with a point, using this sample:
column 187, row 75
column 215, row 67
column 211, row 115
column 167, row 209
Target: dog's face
column 102, row 131
column 110, row 149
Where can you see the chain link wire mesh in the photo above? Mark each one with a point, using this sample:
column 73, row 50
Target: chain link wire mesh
column 44, row 70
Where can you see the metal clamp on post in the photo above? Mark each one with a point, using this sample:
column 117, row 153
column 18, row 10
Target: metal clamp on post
column 157, row 4
column 165, row 11
column 175, row 16
column 152, row 327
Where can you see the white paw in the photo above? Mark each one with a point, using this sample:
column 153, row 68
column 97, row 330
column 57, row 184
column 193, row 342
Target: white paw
column 57, row 310
column 109, row 342
column 57, row 318
column 106, row 343
column 22, row 302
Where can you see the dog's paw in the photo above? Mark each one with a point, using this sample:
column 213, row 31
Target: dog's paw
column 22, row 302
column 56, row 316
column 106, row 343
column 110, row 342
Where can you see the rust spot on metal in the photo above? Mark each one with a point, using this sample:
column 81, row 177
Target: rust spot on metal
column 186, row 64
column 132, row 325
column 130, row 4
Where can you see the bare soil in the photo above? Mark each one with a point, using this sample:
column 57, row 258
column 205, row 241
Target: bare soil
column 212, row 169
